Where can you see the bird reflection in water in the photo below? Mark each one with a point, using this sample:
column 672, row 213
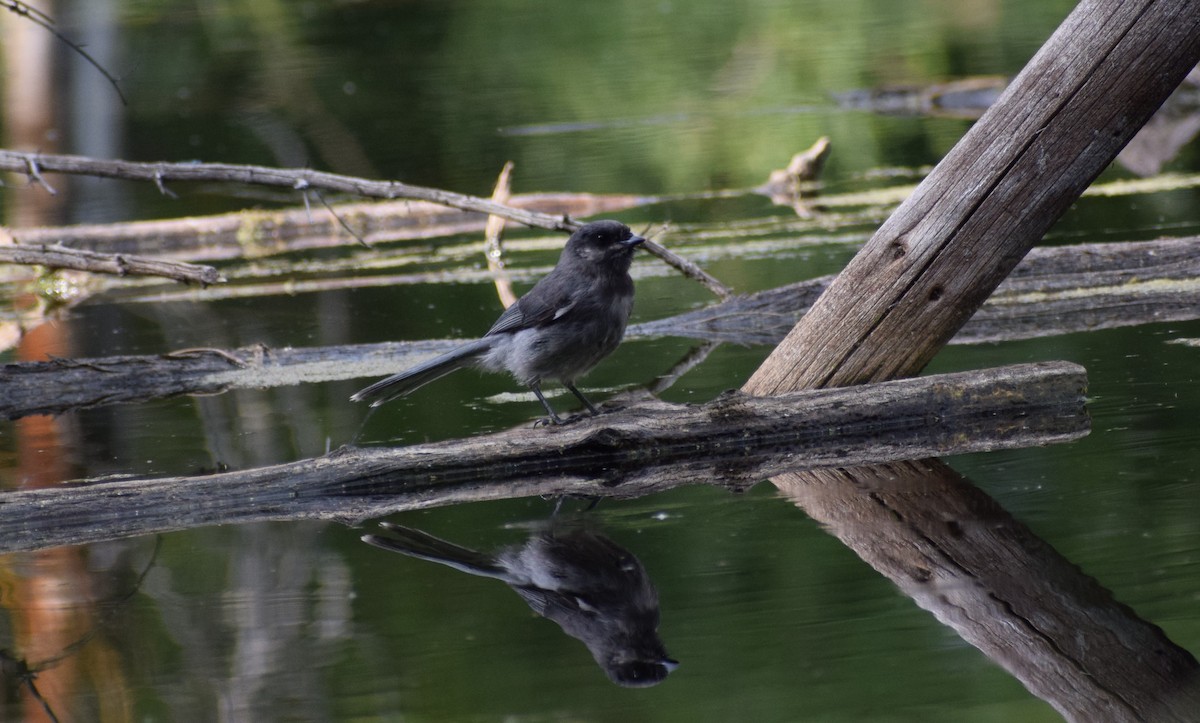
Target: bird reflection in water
column 596, row 590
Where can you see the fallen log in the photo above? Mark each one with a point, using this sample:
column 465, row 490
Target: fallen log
column 1054, row 291
column 735, row 440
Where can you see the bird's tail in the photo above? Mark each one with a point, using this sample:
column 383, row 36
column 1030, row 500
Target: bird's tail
column 398, row 385
column 415, row 543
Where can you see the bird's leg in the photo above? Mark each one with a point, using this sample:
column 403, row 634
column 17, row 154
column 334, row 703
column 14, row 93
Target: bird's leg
column 537, row 391
column 579, row 395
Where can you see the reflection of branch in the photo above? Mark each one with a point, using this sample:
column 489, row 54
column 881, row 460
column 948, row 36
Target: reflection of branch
column 304, row 179
column 735, row 440
column 61, row 257
column 693, row 359
column 493, row 246
column 961, row 556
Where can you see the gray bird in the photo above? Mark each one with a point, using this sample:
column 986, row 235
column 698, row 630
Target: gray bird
column 561, row 328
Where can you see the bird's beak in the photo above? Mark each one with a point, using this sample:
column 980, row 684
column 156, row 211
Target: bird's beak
column 633, row 242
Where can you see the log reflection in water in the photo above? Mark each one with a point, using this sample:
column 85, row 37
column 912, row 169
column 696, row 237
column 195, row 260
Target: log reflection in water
column 958, row 554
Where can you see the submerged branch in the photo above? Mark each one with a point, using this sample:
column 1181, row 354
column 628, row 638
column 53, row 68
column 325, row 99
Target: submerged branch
column 257, row 233
column 735, row 440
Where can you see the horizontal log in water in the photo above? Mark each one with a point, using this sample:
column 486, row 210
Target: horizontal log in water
column 1054, row 291
column 652, row 446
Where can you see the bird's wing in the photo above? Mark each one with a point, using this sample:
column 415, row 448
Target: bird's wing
column 545, row 303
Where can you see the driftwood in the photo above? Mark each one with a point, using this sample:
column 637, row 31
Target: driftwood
column 1054, row 291
column 914, row 285
column 648, row 447
column 61, row 257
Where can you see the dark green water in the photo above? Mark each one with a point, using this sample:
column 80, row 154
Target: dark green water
column 770, row 616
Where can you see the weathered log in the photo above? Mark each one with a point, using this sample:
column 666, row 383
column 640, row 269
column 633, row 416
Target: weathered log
column 943, row 252
column 735, row 440
column 932, row 265
column 1054, row 291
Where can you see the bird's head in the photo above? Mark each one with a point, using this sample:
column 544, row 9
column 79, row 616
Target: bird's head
column 606, row 245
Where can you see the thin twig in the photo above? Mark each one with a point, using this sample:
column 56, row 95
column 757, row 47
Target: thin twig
column 341, row 221
column 194, row 352
column 35, row 175
column 688, row 269
column 38, row 17
column 694, row 358
column 61, row 257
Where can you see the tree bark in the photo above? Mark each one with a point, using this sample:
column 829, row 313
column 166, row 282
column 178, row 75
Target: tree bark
column 915, row 284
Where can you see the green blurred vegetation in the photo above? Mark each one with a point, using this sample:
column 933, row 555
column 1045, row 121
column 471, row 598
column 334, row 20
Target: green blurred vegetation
column 646, row 97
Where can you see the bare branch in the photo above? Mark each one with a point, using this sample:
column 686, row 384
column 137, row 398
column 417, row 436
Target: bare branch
column 294, row 179
column 303, row 179
column 38, row 17
column 61, row 257
column 687, row 268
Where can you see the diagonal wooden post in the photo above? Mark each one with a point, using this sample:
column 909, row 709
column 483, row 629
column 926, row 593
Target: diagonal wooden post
column 1094, row 83
column 923, row 274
